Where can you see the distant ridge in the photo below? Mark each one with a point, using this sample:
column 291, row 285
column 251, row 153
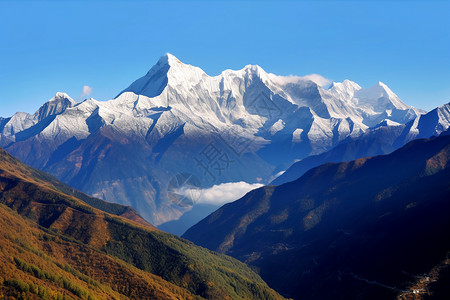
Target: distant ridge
column 381, row 140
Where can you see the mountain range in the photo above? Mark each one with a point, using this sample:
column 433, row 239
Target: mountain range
column 372, row 228
column 58, row 243
column 377, row 141
column 348, row 191
column 178, row 122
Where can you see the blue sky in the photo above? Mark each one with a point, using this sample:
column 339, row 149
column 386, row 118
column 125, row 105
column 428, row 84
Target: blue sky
column 47, row 47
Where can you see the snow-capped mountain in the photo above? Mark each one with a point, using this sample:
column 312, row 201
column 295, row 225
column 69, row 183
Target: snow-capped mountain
column 243, row 125
column 384, row 138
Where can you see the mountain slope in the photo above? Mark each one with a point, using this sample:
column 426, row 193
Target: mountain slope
column 382, row 139
column 128, row 149
column 29, row 271
column 56, row 244
column 369, row 228
column 13, row 166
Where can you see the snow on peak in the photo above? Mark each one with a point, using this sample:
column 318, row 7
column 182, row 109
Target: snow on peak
column 380, row 89
column 379, row 97
column 169, row 70
column 443, row 115
column 248, row 71
column 253, row 69
column 58, row 104
column 60, row 96
column 163, row 65
column 349, row 83
column 345, row 85
column 385, row 89
column 227, row 97
column 344, row 90
column 169, row 59
column 387, row 122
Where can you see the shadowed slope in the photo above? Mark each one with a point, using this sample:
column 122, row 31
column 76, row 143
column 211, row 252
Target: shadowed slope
column 359, row 229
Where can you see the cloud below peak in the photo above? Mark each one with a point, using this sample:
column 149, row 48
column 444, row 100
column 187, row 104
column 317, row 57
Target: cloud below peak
column 219, row 194
column 226, row 192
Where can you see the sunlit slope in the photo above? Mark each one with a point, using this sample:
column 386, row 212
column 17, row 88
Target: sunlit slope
column 55, row 244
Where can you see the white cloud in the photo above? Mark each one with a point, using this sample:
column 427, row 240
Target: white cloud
column 221, row 193
column 319, row 79
column 87, row 90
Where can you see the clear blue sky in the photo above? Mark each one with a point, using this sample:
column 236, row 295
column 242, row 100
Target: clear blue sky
column 47, row 47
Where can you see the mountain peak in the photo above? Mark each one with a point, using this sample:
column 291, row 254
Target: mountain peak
column 165, row 62
column 60, row 96
column 346, row 84
column 253, row 68
column 58, row 104
column 345, row 89
column 381, row 85
column 380, row 97
column 168, row 70
column 169, row 59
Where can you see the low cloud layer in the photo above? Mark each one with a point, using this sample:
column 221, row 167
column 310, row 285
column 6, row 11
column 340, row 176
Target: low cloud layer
column 220, row 194
column 226, row 192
